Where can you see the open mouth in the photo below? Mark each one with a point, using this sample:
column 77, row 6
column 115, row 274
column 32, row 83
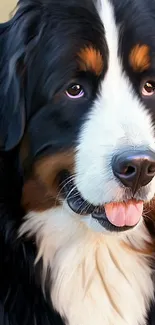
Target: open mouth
column 115, row 216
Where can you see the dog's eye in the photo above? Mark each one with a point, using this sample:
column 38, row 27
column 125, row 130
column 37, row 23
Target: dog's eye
column 148, row 88
column 75, row 91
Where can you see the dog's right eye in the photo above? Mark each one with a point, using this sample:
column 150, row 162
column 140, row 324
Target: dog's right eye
column 75, row 91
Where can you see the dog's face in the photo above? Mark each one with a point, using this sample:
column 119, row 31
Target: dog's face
column 89, row 140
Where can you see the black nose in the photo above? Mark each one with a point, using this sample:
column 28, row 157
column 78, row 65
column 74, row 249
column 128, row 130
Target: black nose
column 134, row 169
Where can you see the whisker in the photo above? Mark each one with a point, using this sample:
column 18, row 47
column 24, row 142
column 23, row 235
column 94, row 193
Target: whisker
column 73, row 189
column 87, row 207
column 148, row 217
column 65, row 182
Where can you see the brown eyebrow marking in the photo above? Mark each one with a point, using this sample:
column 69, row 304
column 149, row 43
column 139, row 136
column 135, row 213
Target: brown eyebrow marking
column 139, row 58
column 91, row 59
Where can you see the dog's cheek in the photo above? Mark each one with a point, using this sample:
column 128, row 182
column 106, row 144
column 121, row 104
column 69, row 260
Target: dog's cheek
column 42, row 190
column 149, row 217
column 35, row 197
column 149, row 209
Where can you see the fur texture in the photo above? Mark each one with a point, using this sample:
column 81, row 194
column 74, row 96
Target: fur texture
column 93, row 276
column 60, row 267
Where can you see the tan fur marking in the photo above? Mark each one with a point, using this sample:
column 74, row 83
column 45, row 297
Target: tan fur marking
column 139, row 58
column 41, row 192
column 148, row 251
column 149, row 210
column 91, row 59
column 36, row 197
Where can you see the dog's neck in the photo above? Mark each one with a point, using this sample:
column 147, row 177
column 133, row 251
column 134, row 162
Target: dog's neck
column 95, row 278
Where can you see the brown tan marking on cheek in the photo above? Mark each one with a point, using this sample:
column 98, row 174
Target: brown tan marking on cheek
column 149, row 217
column 35, row 197
column 41, row 191
column 90, row 59
column 139, row 58
column 149, row 209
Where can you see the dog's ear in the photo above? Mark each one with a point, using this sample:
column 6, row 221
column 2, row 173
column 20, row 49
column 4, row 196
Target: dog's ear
column 13, row 114
column 16, row 44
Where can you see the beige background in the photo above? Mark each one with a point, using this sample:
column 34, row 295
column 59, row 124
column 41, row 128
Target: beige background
column 6, row 6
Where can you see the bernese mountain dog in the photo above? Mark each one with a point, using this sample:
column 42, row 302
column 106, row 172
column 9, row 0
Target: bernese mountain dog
column 77, row 163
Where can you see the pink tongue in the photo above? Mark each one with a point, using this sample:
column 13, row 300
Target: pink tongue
column 124, row 214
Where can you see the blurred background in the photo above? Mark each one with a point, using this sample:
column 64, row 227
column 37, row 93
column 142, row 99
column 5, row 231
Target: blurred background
column 6, row 6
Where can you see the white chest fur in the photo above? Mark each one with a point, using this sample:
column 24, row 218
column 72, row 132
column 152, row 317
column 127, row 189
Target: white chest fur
column 96, row 279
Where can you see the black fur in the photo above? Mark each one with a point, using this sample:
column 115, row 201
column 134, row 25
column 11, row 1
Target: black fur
column 38, row 47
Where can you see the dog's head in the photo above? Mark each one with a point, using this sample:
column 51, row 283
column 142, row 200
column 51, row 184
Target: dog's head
column 82, row 84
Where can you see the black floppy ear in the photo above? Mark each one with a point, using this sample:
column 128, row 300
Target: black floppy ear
column 12, row 103
column 15, row 114
column 17, row 40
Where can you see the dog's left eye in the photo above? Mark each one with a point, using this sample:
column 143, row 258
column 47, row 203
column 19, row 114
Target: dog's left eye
column 75, row 91
column 148, row 88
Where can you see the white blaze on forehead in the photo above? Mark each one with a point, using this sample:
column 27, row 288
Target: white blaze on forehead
column 117, row 95
column 117, row 105
column 106, row 14
column 117, row 121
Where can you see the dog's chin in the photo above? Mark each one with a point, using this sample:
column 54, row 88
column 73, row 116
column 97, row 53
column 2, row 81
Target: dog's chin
column 93, row 216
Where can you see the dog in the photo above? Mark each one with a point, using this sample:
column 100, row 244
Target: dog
column 77, row 163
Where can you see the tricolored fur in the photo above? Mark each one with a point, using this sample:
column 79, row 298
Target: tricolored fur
column 59, row 267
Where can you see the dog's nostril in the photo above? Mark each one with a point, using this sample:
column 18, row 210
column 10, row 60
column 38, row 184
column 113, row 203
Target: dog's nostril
column 133, row 169
column 129, row 170
column 151, row 169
